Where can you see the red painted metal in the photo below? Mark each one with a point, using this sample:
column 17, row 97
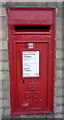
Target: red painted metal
column 31, row 94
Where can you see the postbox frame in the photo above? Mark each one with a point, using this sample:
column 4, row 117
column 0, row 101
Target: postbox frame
column 12, row 60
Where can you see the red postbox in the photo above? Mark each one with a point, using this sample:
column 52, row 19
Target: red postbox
column 31, row 57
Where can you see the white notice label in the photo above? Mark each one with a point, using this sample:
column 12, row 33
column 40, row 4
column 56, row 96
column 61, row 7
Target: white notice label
column 30, row 63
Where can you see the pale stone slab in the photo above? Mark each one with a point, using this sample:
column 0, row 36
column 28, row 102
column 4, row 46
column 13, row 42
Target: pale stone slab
column 58, row 109
column 58, row 54
column 6, row 95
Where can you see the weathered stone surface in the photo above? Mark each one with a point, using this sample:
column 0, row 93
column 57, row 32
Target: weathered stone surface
column 4, row 75
column 3, row 34
column 58, row 83
column 58, row 44
column 58, row 74
column 0, row 4
column 58, row 109
column 5, row 104
column 4, row 22
column 58, row 64
column 59, row 35
column 59, row 23
column 50, row 116
column 59, row 11
column 5, row 66
column 0, row 94
column 3, row 11
column 58, row 101
column 0, row 55
column 58, row 92
column 0, row 75
column 53, row 4
column 0, row 104
column 4, row 55
column 59, row 4
column 0, row 35
column 41, row 4
column 4, row 1
column 0, row 84
column 6, row 112
column 0, row 114
column 6, row 95
column 58, row 116
column 4, row 45
column 11, row 0
column 59, row 54
column 5, row 85
column 0, row 65
column 0, row 22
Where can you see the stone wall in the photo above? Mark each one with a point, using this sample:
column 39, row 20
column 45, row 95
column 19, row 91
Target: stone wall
column 5, row 108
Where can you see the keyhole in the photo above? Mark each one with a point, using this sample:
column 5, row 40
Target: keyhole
column 22, row 81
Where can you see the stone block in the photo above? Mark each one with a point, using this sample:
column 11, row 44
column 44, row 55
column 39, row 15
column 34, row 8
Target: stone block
column 0, row 33
column 58, row 109
column 4, row 75
column 58, row 116
column 38, row 4
column 0, row 22
column 63, row 115
column 6, row 95
column 0, row 75
column 11, row 1
column 59, row 23
column 36, row 1
column 59, row 12
column 51, row 4
column 4, row 55
column 0, row 94
column 5, row 104
column 63, row 83
column 0, row 104
column 3, row 45
column 58, row 101
column 0, row 84
column 63, row 55
column 4, row 1
column 59, row 4
column 58, row 73
column 3, row 34
column 5, row 85
column 58, row 92
column 5, row 66
column 3, row 11
column 58, row 83
column 63, row 101
column 58, row 44
column 58, row 35
column 0, row 55
column 59, row 54
column 0, row 4
column 0, row 65
column 63, row 109
column 4, row 22
column 58, row 63
column 6, row 112
column 0, row 114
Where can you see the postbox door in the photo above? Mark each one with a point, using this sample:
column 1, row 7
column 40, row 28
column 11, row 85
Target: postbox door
column 32, row 75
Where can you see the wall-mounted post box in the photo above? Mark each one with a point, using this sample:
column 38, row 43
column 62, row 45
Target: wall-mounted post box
column 31, row 57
